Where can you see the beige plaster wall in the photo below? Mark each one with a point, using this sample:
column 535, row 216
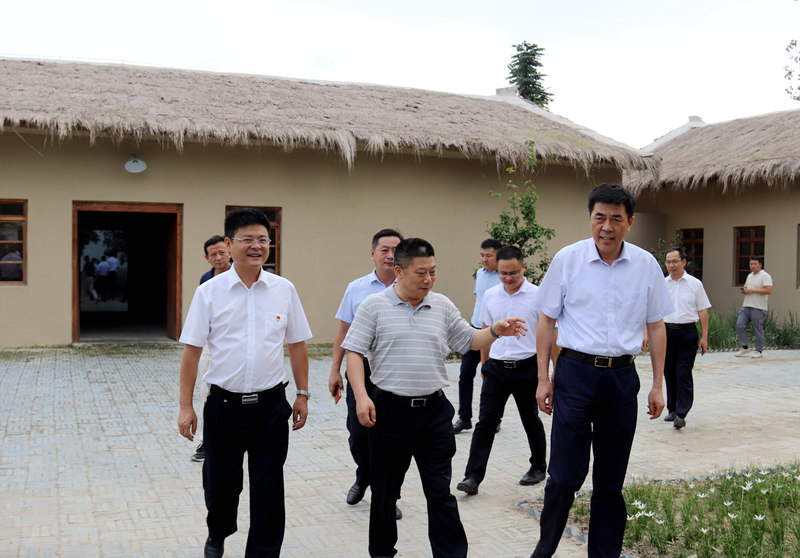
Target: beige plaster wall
column 718, row 215
column 328, row 215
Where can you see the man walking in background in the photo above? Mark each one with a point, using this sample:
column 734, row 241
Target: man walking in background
column 756, row 291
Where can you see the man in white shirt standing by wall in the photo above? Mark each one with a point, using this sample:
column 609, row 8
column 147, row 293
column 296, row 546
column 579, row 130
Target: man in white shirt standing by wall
column 756, row 291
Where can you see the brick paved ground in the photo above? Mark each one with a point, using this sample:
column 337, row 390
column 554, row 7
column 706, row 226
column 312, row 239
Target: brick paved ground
column 91, row 463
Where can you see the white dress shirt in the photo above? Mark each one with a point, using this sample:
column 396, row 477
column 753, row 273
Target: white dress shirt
column 245, row 329
column 688, row 297
column 498, row 304
column 602, row 309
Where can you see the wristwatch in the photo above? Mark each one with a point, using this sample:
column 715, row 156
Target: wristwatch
column 304, row 392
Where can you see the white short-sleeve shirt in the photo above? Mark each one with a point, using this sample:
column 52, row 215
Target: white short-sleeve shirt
column 498, row 304
column 245, row 329
column 688, row 297
column 603, row 309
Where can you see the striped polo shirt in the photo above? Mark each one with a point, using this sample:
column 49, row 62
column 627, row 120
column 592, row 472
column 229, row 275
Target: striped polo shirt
column 407, row 347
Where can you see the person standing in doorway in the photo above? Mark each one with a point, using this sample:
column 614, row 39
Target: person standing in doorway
column 756, row 291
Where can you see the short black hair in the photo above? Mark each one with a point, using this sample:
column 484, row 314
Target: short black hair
column 244, row 217
column 211, row 241
column 411, row 248
column 510, row 253
column 491, row 243
column 612, row 194
column 383, row 233
column 679, row 249
column 759, row 259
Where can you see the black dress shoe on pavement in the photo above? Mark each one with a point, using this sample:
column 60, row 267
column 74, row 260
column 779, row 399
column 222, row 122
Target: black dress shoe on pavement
column 533, row 476
column 679, row 422
column 670, row 417
column 213, row 549
column 355, row 494
column 461, row 425
column 538, row 553
column 397, row 513
column 199, row 454
column 468, row 485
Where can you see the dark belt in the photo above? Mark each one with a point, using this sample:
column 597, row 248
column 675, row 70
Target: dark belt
column 515, row 363
column 416, row 400
column 596, row 360
column 246, row 398
column 681, row 326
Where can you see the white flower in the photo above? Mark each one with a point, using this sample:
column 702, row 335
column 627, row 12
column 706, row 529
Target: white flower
column 797, row 477
column 759, row 480
column 712, row 490
column 747, row 486
column 631, row 517
column 729, row 476
column 691, row 485
column 758, row 517
column 748, row 474
column 763, row 472
column 786, row 474
column 648, row 514
column 695, row 518
column 640, row 505
column 702, row 495
column 732, row 515
column 660, row 522
column 728, row 504
column 764, row 490
column 704, row 530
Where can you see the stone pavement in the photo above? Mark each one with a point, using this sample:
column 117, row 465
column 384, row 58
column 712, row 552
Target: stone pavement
column 91, row 463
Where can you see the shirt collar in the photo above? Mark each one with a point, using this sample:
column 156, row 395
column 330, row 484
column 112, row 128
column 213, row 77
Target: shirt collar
column 594, row 255
column 373, row 278
column 526, row 286
column 682, row 278
column 395, row 300
column 233, row 278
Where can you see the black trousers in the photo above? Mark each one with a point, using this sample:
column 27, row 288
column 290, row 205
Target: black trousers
column 426, row 434
column 466, row 379
column 678, row 363
column 358, row 439
column 499, row 383
column 262, row 430
column 593, row 409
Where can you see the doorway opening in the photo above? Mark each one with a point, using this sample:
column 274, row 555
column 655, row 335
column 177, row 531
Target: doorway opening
column 127, row 262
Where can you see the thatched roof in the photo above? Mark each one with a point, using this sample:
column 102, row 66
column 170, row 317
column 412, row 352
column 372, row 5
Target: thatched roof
column 189, row 106
column 730, row 155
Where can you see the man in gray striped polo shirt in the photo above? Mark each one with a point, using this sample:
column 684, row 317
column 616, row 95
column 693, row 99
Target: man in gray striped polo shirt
column 406, row 332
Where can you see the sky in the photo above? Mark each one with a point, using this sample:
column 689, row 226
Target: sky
column 630, row 70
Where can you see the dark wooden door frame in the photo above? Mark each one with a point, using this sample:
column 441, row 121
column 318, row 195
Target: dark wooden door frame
column 174, row 257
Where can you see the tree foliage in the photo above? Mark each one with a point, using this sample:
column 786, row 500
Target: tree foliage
column 517, row 226
column 793, row 70
column 525, row 73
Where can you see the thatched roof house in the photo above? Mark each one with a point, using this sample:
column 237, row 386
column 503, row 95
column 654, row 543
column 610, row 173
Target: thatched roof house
column 731, row 155
column 241, row 110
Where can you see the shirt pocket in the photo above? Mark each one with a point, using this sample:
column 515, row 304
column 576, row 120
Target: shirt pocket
column 274, row 324
column 630, row 309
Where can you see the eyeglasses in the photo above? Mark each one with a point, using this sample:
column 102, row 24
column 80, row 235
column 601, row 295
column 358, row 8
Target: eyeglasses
column 250, row 241
column 509, row 273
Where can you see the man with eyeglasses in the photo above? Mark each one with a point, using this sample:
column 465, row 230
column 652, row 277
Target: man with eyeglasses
column 218, row 255
column 407, row 331
column 382, row 254
column 245, row 315
column 510, row 370
column 691, row 305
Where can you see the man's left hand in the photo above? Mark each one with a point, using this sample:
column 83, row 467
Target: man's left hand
column 510, row 326
column 655, row 402
column 299, row 412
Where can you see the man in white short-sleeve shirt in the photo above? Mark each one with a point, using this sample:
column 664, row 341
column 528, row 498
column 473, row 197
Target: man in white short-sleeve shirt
column 245, row 315
column 756, row 291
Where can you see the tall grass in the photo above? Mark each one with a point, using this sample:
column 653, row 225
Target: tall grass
column 722, row 331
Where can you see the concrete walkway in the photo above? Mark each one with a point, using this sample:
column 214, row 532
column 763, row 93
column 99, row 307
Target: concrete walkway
column 91, row 463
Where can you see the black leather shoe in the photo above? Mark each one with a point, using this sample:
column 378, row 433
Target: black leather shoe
column 670, row 417
column 468, row 485
column 533, row 476
column 539, row 553
column 397, row 513
column 213, row 549
column 679, row 422
column 355, row 494
column 461, row 425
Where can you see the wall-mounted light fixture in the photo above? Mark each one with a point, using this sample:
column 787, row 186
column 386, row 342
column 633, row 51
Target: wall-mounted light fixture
column 135, row 165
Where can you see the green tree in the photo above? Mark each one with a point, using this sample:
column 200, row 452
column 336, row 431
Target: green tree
column 517, row 226
column 525, row 73
column 793, row 70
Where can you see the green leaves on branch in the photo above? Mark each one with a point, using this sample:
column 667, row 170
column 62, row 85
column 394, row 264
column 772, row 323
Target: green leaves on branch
column 525, row 74
column 517, row 225
column 793, row 70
